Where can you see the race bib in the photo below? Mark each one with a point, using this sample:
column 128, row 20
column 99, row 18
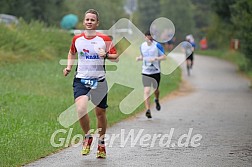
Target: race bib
column 90, row 83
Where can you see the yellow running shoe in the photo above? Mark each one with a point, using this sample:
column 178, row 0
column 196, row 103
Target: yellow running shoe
column 86, row 146
column 101, row 152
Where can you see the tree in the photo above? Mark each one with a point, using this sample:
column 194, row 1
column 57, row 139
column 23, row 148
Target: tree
column 48, row 11
column 16, row 8
column 222, row 9
column 242, row 20
column 180, row 12
column 110, row 10
column 221, row 29
column 202, row 14
column 148, row 11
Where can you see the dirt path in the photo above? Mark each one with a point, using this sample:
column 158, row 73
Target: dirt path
column 215, row 104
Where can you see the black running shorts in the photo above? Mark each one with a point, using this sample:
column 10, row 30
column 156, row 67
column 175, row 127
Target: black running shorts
column 98, row 96
column 151, row 80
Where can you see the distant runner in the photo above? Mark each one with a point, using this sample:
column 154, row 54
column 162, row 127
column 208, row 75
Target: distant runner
column 189, row 50
column 151, row 55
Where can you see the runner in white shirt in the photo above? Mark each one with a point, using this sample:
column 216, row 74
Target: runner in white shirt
column 89, row 82
column 151, row 55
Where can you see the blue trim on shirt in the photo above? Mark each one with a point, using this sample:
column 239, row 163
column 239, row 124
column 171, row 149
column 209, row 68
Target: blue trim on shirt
column 160, row 49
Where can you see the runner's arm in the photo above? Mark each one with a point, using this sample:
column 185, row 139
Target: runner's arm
column 161, row 53
column 160, row 58
column 139, row 58
column 114, row 57
column 70, row 61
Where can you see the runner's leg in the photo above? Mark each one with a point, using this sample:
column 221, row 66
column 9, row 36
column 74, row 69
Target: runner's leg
column 81, row 107
column 147, row 97
column 101, row 121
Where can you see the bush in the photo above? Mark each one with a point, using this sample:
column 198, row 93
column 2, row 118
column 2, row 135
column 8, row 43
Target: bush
column 32, row 41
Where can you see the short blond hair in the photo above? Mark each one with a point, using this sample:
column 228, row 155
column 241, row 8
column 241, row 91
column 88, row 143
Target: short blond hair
column 93, row 11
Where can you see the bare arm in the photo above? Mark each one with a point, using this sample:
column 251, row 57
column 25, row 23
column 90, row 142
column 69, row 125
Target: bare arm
column 159, row 58
column 139, row 58
column 112, row 56
column 70, row 61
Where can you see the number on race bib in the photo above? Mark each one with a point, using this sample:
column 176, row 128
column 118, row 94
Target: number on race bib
column 90, row 83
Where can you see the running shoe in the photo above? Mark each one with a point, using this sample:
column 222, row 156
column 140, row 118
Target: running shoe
column 86, row 146
column 101, row 152
column 158, row 107
column 148, row 114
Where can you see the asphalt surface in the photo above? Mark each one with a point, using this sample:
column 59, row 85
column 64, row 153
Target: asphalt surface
column 213, row 107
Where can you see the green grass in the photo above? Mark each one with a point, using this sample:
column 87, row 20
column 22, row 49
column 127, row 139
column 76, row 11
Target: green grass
column 32, row 95
column 33, row 92
column 232, row 56
column 32, row 41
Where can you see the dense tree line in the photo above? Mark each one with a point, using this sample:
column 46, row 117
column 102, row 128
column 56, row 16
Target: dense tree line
column 180, row 12
column 110, row 10
column 51, row 11
column 219, row 20
column 48, row 11
column 242, row 19
column 235, row 19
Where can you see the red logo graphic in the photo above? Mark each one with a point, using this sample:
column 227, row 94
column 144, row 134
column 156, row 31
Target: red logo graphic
column 85, row 50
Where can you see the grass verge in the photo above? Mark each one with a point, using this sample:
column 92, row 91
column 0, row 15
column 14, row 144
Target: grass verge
column 32, row 96
column 232, row 56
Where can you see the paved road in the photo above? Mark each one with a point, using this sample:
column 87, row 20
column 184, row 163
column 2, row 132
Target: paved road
column 215, row 104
